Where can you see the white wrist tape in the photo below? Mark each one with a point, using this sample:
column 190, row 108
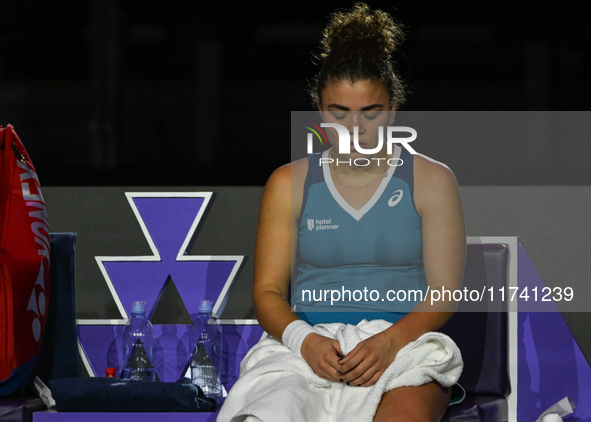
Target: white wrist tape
column 294, row 334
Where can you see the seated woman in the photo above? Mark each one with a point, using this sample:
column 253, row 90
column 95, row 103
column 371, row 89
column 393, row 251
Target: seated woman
column 396, row 223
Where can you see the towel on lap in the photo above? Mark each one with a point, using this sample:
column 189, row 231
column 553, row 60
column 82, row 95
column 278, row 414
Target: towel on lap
column 277, row 385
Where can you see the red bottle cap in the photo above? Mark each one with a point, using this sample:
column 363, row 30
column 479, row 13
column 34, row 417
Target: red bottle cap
column 111, row 372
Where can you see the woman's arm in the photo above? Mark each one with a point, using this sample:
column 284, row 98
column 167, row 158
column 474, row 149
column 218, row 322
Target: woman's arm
column 274, row 254
column 437, row 200
column 275, row 250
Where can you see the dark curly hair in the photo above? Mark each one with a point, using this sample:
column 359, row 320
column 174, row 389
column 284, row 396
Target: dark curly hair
column 357, row 44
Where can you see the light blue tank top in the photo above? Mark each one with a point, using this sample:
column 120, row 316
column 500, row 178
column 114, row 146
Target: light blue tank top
column 358, row 264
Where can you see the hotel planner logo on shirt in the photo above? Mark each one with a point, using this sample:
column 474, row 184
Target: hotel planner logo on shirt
column 325, row 224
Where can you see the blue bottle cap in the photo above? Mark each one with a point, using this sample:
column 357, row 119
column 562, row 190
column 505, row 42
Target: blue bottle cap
column 138, row 307
column 205, row 307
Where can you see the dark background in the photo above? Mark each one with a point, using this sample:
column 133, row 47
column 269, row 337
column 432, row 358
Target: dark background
column 199, row 93
column 193, row 93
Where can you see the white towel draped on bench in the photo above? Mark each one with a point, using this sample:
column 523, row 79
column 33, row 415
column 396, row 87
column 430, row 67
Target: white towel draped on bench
column 275, row 385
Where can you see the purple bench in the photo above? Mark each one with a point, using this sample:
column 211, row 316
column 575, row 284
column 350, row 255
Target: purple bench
column 481, row 336
column 482, row 339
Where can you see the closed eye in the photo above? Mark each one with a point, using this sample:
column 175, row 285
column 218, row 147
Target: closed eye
column 371, row 115
column 339, row 115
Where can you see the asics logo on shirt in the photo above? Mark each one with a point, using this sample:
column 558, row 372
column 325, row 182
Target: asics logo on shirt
column 392, row 202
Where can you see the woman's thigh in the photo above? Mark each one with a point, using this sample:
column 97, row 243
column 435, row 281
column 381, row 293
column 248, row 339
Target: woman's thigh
column 424, row 403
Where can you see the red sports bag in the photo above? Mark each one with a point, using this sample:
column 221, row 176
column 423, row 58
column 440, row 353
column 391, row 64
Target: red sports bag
column 24, row 262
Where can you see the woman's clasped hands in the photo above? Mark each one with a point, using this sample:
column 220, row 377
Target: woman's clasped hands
column 362, row 366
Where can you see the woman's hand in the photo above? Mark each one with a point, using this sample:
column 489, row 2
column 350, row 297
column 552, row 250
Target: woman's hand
column 322, row 354
column 364, row 365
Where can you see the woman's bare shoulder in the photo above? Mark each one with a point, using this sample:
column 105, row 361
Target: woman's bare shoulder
column 432, row 172
column 286, row 182
column 288, row 174
column 433, row 181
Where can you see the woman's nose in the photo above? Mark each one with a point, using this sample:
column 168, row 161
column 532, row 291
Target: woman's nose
column 353, row 121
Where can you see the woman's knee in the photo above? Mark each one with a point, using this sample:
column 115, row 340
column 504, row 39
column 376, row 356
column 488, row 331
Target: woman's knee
column 426, row 403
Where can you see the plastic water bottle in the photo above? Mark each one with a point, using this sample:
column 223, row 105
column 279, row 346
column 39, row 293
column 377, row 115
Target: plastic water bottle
column 205, row 338
column 139, row 345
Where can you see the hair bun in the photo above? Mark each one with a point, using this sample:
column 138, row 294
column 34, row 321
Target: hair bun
column 357, row 44
column 363, row 28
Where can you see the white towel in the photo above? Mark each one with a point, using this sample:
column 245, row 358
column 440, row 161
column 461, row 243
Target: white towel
column 275, row 385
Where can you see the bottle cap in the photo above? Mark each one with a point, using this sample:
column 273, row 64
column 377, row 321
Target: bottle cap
column 205, row 307
column 111, row 371
column 138, row 307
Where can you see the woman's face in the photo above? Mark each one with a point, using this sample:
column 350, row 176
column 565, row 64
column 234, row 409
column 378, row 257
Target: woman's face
column 364, row 103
